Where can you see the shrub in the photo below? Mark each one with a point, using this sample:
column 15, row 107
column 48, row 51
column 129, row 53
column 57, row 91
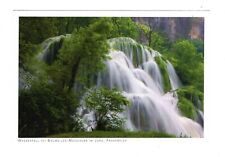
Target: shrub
column 107, row 104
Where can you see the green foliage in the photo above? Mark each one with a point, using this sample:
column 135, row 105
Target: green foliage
column 156, row 40
column 186, row 107
column 107, row 104
column 193, row 95
column 190, row 99
column 144, row 33
column 128, row 45
column 47, row 103
column 163, row 70
column 82, row 55
column 44, row 110
column 189, row 67
column 188, row 64
column 144, row 28
column 66, row 25
column 27, row 52
column 123, row 27
column 199, row 45
column 159, row 42
column 78, row 123
column 113, row 134
column 36, row 29
column 32, row 31
column 111, row 122
column 50, row 48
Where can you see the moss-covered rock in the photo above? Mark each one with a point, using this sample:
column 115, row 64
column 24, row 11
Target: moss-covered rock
column 190, row 100
column 193, row 95
column 166, row 80
column 130, row 47
column 187, row 109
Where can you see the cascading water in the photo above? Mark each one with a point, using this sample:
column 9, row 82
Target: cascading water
column 133, row 69
column 174, row 79
column 153, row 70
column 142, row 84
column 51, row 47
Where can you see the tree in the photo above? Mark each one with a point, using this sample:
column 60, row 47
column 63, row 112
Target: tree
column 199, row 44
column 144, row 33
column 82, row 54
column 107, row 104
column 190, row 69
column 44, row 110
column 66, row 25
column 188, row 64
column 123, row 27
column 32, row 31
column 156, row 41
column 45, row 107
column 159, row 42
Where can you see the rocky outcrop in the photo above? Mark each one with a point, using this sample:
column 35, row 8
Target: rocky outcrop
column 175, row 27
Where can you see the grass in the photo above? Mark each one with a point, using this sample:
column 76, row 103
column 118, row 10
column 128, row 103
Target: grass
column 112, row 134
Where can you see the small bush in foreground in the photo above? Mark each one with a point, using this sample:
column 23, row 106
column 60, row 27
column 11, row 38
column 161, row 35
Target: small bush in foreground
column 107, row 104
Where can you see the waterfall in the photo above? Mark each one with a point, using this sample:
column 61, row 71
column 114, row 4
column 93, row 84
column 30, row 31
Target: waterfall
column 133, row 70
column 153, row 70
column 174, row 79
column 50, row 48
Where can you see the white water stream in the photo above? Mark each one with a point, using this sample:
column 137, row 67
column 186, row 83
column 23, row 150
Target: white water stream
column 151, row 108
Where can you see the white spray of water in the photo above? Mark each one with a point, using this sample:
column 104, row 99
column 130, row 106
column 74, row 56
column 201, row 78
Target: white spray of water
column 174, row 79
column 151, row 109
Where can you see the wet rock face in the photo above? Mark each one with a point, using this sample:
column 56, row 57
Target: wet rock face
column 176, row 27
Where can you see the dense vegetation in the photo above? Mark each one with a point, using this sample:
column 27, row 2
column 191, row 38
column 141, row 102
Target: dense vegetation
column 48, row 101
column 82, row 55
column 113, row 134
column 45, row 110
column 190, row 68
